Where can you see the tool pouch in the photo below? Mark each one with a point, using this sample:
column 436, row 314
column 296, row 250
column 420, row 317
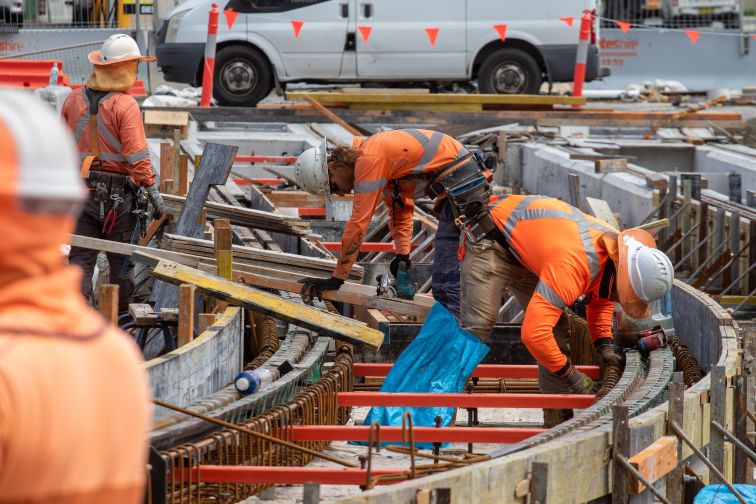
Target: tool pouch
column 466, row 187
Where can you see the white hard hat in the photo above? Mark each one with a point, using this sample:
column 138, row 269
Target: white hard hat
column 39, row 165
column 651, row 271
column 311, row 170
column 117, row 49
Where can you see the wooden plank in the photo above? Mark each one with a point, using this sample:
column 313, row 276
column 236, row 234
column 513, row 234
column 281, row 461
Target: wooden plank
column 183, row 184
column 446, row 98
column 375, row 319
column 186, row 314
column 351, row 293
column 223, row 252
column 610, row 165
column 143, row 314
column 153, row 228
column 107, row 299
column 166, row 161
column 205, row 320
column 331, row 116
column 325, row 323
column 653, row 462
column 161, row 123
column 600, row 209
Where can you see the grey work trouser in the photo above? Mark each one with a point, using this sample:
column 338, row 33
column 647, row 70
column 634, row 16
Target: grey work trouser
column 487, row 272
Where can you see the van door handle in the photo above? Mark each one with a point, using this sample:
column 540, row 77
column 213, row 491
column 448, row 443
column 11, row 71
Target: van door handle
column 345, row 10
column 367, row 10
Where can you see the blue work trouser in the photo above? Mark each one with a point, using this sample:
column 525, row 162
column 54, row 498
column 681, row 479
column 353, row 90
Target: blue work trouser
column 446, row 288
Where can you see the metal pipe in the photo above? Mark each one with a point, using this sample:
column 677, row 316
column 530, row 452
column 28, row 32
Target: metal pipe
column 482, row 371
column 750, row 453
column 745, row 300
column 679, row 432
column 683, row 237
column 733, row 284
column 692, row 251
column 260, row 435
column 632, row 470
column 422, row 434
column 708, row 259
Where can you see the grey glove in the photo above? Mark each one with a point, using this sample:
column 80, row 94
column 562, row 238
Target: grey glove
column 156, row 200
column 579, row 382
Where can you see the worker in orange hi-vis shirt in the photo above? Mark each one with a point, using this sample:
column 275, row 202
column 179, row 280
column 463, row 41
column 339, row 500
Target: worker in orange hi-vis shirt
column 398, row 166
column 549, row 255
column 74, row 398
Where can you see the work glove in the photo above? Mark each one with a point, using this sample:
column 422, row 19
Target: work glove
column 314, row 287
column 579, row 382
column 156, row 200
column 394, row 264
column 607, row 355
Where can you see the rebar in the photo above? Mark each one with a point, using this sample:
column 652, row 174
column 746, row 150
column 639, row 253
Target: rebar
column 686, row 362
column 610, row 376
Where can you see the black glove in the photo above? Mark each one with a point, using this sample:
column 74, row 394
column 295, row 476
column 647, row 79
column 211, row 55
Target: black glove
column 153, row 194
column 315, row 286
column 399, row 258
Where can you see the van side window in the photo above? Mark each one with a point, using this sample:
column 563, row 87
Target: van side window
column 267, row 4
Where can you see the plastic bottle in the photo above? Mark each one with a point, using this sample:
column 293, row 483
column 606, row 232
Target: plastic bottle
column 54, row 74
column 249, row 382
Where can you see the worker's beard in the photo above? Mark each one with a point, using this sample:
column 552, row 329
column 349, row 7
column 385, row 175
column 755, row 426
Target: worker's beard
column 113, row 77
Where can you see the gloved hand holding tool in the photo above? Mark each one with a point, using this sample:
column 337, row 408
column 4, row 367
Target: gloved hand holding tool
column 314, row 287
column 579, row 382
column 156, row 200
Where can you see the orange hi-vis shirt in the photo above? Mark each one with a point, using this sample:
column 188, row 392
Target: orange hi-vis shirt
column 564, row 248
column 120, row 131
column 406, row 157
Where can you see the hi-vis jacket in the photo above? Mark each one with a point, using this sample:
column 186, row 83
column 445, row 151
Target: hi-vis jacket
column 407, row 159
column 120, row 131
column 567, row 250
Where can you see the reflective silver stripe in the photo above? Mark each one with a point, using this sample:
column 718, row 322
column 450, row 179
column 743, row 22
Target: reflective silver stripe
column 110, row 156
column 83, row 121
column 584, row 231
column 462, row 151
column 418, row 136
column 518, row 213
column 85, row 97
column 137, row 156
column 431, row 149
column 84, row 155
column 112, row 141
column 549, row 295
column 368, row 187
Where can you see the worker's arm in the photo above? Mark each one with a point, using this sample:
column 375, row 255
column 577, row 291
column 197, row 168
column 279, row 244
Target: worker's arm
column 400, row 215
column 556, row 290
column 134, row 142
column 369, row 180
column 599, row 313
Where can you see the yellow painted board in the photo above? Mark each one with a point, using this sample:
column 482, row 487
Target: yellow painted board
column 457, row 99
column 325, row 323
column 735, row 300
column 462, row 107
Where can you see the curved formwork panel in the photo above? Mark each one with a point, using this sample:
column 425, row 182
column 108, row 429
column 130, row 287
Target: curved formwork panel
column 202, row 367
column 702, row 324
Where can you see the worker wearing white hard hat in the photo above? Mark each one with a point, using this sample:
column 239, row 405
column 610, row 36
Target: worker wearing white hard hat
column 74, row 397
column 107, row 125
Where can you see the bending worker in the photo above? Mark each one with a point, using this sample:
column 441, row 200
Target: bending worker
column 74, row 399
column 107, row 125
column 549, row 255
column 399, row 166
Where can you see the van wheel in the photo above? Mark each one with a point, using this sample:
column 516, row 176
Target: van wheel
column 510, row 71
column 242, row 77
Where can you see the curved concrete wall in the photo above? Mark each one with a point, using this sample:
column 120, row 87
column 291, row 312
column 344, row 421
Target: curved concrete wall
column 202, row 367
column 698, row 318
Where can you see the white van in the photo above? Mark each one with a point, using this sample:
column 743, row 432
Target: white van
column 377, row 41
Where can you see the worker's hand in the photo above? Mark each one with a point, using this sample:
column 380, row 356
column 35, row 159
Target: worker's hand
column 579, row 382
column 607, row 355
column 399, row 258
column 156, row 200
column 314, row 287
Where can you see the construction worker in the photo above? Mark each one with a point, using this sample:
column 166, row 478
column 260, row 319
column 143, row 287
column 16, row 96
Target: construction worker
column 107, row 125
column 549, row 255
column 399, row 166
column 74, row 398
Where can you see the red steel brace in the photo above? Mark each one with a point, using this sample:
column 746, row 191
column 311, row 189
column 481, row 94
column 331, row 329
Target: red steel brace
column 417, row 399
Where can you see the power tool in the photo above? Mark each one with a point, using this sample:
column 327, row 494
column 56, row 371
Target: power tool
column 402, row 287
column 651, row 339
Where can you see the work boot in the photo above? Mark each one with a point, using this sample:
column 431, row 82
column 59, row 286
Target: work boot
column 553, row 417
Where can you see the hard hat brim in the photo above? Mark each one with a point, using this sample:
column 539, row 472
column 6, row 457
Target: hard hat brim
column 95, row 57
column 631, row 303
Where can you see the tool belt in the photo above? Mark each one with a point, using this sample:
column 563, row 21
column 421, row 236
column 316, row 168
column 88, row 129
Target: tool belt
column 108, row 188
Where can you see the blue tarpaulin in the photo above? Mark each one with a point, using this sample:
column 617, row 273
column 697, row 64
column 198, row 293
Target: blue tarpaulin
column 719, row 494
column 440, row 359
